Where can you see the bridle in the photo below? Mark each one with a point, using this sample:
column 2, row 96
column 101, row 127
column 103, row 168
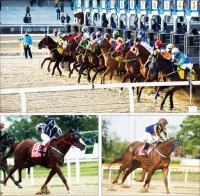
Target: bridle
column 71, row 142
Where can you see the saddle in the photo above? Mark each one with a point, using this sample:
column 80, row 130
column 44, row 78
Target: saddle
column 35, row 150
column 141, row 151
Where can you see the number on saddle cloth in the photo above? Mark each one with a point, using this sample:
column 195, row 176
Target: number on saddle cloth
column 150, row 129
column 35, row 150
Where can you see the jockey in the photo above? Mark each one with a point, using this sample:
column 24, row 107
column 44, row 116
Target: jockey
column 158, row 133
column 50, row 130
column 98, row 35
column 85, row 32
column 167, row 52
column 158, row 48
column 182, row 60
column 59, row 38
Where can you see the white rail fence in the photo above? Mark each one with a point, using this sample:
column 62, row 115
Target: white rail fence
column 185, row 169
column 24, row 91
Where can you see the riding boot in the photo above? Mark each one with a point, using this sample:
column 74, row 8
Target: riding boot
column 145, row 151
column 41, row 150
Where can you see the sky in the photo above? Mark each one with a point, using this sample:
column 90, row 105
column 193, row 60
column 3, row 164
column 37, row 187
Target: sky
column 132, row 128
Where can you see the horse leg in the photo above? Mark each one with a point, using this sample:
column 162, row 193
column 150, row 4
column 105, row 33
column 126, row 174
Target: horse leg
column 139, row 93
column 119, row 172
column 142, row 177
column 104, row 75
column 111, row 75
column 48, row 58
column 72, row 70
column 89, row 77
column 171, row 101
column 148, row 179
column 82, row 69
column 134, row 166
column 15, row 167
column 165, row 173
column 95, row 75
column 125, row 78
column 60, row 174
column 11, row 177
column 163, row 101
column 50, row 65
column 44, row 188
column 58, row 68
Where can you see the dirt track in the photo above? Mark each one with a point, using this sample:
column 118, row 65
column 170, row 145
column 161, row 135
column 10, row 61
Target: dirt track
column 88, row 186
column 16, row 72
column 156, row 188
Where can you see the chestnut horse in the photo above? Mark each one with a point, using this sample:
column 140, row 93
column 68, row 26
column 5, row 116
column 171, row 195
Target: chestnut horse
column 158, row 158
column 54, row 156
column 110, row 63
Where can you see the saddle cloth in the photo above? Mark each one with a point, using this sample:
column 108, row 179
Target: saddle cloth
column 181, row 73
column 141, row 153
column 35, row 149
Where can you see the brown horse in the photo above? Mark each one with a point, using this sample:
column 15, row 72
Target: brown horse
column 108, row 53
column 54, row 156
column 92, row 60
column 158, row 158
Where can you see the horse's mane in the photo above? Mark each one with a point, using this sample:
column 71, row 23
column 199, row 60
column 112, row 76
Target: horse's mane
column 144, row 49
column 61, row 136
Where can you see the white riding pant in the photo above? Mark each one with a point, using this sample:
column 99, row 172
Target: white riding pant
column 45, row 139
column 151, row 138
column 187, row 65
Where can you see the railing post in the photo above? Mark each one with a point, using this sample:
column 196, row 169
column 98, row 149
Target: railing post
column 69, row 172
column 23, row 102
column 131, row 99
column 77, row 171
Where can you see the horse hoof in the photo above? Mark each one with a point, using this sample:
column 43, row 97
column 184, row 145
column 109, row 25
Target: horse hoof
column 19, row 186
column 69, row 192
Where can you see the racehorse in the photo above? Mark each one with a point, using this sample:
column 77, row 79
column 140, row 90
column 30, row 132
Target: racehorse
column 110, row 63
column 172, row 74
column 48, row 42
column 8, row 141
column 92, row 60
column 158, row 158
column 54, row 156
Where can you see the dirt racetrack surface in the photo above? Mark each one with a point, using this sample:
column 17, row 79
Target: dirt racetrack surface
column 88, row 186
column 17, row 72
column 157, row 188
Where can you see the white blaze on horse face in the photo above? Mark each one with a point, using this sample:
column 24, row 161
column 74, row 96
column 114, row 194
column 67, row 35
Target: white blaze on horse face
column 82, row 142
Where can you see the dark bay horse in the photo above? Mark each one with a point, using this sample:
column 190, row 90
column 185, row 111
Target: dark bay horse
column 158, row 158
column 169, row 70
column 8, row 141
column 54, row 156
column 92, row 60
column 48, row 42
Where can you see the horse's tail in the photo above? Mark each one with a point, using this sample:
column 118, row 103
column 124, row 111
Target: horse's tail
column 115, row 161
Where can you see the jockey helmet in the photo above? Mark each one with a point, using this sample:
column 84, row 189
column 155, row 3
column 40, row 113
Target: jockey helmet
column 1, row 126
column 170, row 46
column 98, row 33
column 175, row 50
column 116, row 33
column 107, row 36
column 59, row 34
column 119, row 40
column 162, row 122
column 50, row 122
column 159, row 43
column 84, row 29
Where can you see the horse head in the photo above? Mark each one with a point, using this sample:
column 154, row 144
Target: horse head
column 7, row 140
column 74, row 138
column 175, row 144
column 47, row 41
